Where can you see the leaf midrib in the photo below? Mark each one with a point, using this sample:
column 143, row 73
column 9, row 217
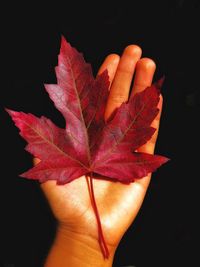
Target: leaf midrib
column 82, row 119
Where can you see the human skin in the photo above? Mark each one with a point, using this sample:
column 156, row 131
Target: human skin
column 76, row 242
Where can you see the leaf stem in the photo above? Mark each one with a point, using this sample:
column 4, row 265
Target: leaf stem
column 101, row 238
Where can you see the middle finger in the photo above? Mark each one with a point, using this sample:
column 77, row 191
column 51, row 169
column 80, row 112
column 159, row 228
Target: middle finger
column 119, row 91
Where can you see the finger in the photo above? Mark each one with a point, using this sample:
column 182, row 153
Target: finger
column 145, row 70
column 119, row 91
column 110, row 63
column 149, row 147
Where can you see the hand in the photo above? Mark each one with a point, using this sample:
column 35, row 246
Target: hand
column 118, row 204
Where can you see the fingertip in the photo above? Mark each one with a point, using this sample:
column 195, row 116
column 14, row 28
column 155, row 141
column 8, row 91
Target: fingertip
column 110, row 63
column 113, row 58
column 133, row 50
column 147, row 64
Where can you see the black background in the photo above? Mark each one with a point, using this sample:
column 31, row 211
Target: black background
column 165, row 230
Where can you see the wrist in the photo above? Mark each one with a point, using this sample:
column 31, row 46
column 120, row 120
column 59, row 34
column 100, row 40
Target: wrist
column 76, row 249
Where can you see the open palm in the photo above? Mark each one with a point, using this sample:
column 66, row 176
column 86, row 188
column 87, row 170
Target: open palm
column 118, row 204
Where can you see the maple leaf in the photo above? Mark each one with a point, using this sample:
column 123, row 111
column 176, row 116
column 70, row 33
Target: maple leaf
column 88, row 145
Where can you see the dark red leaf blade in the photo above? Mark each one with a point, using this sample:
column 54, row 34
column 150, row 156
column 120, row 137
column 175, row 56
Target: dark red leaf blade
column 52, row 146
column 94, row 114
column 65, row 94
column 88, row 141
column 45, row 139
column 126, row 167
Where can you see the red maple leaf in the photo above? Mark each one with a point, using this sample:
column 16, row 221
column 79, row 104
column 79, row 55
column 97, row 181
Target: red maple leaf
column 89, row 145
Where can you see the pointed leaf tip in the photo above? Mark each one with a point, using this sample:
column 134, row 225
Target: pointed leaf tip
column 160, row 82
column 8, row 110
column 165, row 160
column 63, row 39
column 11, row 112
